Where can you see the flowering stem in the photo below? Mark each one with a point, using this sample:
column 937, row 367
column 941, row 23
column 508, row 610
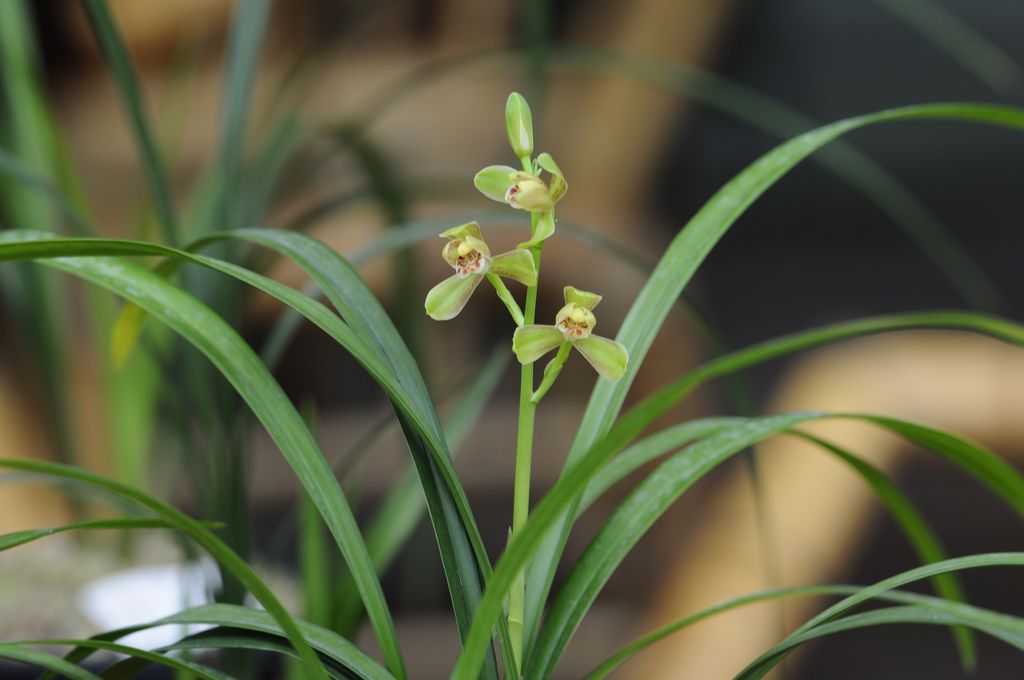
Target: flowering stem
column 524, row 455
column 506, row 296
column 551, row 372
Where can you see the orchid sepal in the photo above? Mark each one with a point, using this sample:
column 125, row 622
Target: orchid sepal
column 446, row 299
column 542, row 231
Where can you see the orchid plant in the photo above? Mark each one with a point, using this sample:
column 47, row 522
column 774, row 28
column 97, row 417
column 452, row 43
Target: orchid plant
column 512, row 622
column 468, row 254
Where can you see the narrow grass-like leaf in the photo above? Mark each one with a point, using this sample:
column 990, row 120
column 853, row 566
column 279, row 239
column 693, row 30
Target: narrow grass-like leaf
column 248, row 375
column 245, row 44
column 16, row 169
column 115, row 52
column 634, row 648
column 644, row 451
column 841, row 158
column 572, row 483
column 264, row 179
column 640, row 417
column 196, row 530
column 143, row 655
column 652, row 408
column 218, row 638
column 752, row 107
column 920, row 573
column 401, row 512
column 915, row 527
column 999, row 626
column 133, row 666
column 661, row 488
column 678, row 265
column 1010, row 629
column 313, row 564
column 630, row 522
column 17, row 538
column 965, row 45
column 334, row 647
column 458, row 538
column 921, row 536
column 46, row 660
column 28, row 133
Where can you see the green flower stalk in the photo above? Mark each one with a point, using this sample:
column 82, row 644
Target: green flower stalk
column 536, row 188
column 574, row 326
column 469, row 256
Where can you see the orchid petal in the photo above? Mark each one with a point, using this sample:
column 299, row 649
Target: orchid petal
column 469, row 229
column 582, row 298
column 545, row 228
column 446, row 299
column 558, row 185
column 532, row 342
column 494, row 181
column 517, row 265
column 529, row 193
column 609, row 358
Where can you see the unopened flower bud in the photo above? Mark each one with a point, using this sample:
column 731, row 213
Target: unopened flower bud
column 519, row 125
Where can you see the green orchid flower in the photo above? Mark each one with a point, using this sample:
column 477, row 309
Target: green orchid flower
column 574, row 326
column 526, row 191
column 469, row 256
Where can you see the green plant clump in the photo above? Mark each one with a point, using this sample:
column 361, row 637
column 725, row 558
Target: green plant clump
column 510, row 622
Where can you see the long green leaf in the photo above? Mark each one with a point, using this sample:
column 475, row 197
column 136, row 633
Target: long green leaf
column 752, row 107
column 16, row 538
column 132, row 667
column 650, row 448
column 678, row 257
column 47, row 661
column 220, row 639
column 17, row 169
column 462, row 551
column 844, row 160
column 147, row 656
column 639, row 645
column 661, row 488
column 640, row 417
column 401, row 511
column 915, row 527
column 1009, row 628
column 999, row 626
column 197, row 531
column 324, row 641
column 381, row 351
column 630, row 522
column 123, row 70
column 245, row 44
column 965, row 45
column 249, row 376
column 28, row 133
column 678, row 265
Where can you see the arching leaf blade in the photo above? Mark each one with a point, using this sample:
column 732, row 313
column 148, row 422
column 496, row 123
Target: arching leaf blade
column 249, row 376
column 679, row 263
column 196, row 530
